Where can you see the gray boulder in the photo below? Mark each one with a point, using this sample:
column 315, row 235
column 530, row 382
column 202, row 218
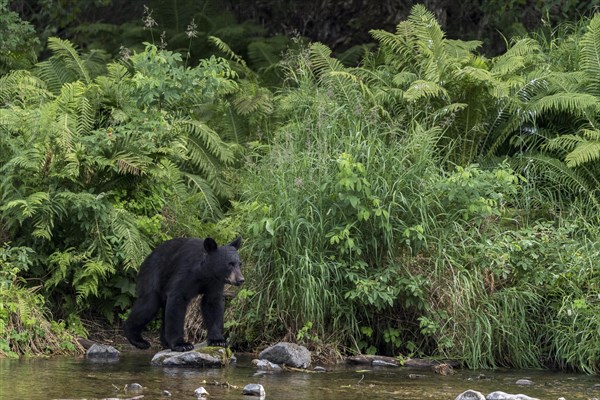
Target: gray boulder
column 254, row 389
column 470, row 395
column 290, row 354
column 102, row 351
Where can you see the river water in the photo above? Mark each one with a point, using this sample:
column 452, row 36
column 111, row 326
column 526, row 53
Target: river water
column 78, row 378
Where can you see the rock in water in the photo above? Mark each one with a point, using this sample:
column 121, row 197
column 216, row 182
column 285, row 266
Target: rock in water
column 254, row 389
column 290, row 354
column 200, row 392
column 202, row 357
column 498, row 395
column 470, row 395
column 102, row 351
column 524, row 382
column 266, row 365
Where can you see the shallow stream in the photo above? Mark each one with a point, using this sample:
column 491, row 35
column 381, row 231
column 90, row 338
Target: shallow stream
column 78, row 378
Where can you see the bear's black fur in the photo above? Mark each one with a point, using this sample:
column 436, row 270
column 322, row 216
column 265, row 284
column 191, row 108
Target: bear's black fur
column 171, row 276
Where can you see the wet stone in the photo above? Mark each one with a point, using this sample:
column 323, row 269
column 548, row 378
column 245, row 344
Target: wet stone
column 201, row 392
column 290, row 354
column 524, row 382
column 382, row 363
column 102, row 351
column 254, row 389
column 201, row 356
column 470, row 395
column 265, row 365
column 133, row 387
column 498, row 395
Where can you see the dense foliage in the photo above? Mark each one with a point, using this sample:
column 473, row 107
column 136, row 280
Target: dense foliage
column 428, row 201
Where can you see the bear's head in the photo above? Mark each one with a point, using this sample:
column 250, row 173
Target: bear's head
column 225, row 260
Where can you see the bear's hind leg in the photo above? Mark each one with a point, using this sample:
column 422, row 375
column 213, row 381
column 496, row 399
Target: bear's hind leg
column 143, row 311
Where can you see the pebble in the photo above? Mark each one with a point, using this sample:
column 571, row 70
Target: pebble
column 524, row 382
column 133, row 387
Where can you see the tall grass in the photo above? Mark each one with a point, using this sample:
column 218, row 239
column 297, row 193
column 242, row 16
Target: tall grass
column 359, row 237
column 332, row 199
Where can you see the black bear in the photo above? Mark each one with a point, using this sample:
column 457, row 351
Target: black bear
column 171, row 276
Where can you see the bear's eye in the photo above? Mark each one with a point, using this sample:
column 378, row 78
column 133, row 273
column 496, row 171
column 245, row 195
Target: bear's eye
column 232, row 264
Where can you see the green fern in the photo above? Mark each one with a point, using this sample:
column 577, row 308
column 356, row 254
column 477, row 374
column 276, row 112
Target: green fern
column 322, row 61
column 420, row 89
column 578, row 104
column 66, row 65
column 590, row 55
column 578, row 149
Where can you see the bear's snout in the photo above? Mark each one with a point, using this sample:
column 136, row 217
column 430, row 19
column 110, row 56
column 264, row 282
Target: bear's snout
column 235, row 278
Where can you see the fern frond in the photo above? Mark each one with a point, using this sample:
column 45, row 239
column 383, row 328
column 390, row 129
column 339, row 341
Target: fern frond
column 208, row 195
column 503, row 66
column 353, row 80
column 265, row 54
column 132, row 244
column 28, row 206
column 86, row 279
column 127, row 163
column 398, row 48
column 21, row 88
column 404, row 78
column 204, row 143
column 30, row 159
column 253, row 98
column 564, row 143
column 590, row 54
column 449, row 109
column 54, row 73
column 224, row 47
column 525, row 47
column 462, row 48
column 430, row 36
column 584, row 153
column 553, row 176
column 64, row 66
column 481, row 76
column 580, row 149
column 321, row 60
column 573, row 103
column 421, row 89
column 570, row 82
column 66, row 51
column 59, row 263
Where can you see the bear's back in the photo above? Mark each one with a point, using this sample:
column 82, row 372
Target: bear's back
column 168, row 261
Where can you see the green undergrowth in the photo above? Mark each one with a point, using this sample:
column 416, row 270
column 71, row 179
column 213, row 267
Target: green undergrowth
column 371, row 226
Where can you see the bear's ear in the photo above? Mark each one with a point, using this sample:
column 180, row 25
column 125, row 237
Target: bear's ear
column 210, row 244
column 237, row 243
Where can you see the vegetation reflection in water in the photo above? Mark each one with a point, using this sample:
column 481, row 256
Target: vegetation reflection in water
column 77, row 378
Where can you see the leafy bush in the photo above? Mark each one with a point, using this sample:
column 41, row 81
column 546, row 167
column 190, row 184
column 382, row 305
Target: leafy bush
column 25, row 324
column 97, row 167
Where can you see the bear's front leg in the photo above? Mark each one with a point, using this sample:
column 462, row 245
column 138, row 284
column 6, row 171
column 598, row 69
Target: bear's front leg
column 173, row 324
column 213, row 307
